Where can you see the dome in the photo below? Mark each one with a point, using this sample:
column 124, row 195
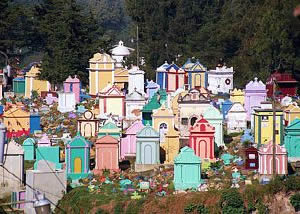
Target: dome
column 120, row 50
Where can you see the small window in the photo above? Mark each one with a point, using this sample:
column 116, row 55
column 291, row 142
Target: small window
column 193, row 120
column 265, row 118
column 252, row 165
column 251, row 156
column 184, row 121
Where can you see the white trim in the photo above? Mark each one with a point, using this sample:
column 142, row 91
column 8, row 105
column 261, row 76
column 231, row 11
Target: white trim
column 97, row 80
column 31, row 86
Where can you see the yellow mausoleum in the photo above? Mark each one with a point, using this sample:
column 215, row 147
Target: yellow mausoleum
column 291, row 113
column 101, row 72
column 32, row 83
column 263, row 126
column 237, row 96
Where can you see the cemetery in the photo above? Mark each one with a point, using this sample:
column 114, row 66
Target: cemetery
column 187, row 137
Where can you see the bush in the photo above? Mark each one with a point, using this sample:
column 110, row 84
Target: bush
column 276, row 185
column 231, row 202
column 292, row 184
column 200, row 208
column 295, row 201
column 261, row 208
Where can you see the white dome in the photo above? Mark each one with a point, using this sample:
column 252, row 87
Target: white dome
column 120, row 50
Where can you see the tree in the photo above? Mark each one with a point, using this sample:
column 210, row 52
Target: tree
column 251, row 35
column 70, row 39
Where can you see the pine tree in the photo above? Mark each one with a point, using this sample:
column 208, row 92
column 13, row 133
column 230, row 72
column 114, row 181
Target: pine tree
column 70, row 39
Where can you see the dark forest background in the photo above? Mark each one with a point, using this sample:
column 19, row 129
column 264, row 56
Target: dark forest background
column 253, row 36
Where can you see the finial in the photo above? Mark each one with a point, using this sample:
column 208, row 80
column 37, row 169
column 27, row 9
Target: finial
column 255, row 79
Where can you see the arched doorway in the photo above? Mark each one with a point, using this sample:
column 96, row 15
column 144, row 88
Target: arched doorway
column 163, row 128
column 148, row 154
column 77, row 165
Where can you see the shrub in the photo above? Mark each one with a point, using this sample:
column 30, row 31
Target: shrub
column 295, row 201
column 292, row 184
column 231, row 202
column 200, row 208
column 261, row 208
column 276, row 185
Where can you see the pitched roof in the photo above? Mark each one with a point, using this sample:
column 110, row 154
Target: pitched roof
column 148, row 131
column 107, row 139
column 135, row 127
column 256, row 85
column 212, row 113
column 163, row 67
column 187, row 155
column 79, row 140
column 102, row 58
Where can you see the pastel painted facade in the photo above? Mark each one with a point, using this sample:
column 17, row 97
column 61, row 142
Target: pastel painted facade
column 32, row 82
column 73, row 85
column 171, row 145
column 237, row 96
column 225, row 106
column 159, row 98
column 265, row 155
column 19, row 86
column 128, row 143
column 101, row 72
column 292, row 140
column 78, row 158
column 17, row 122
column 175, row 77
column 29, row 149
column 44, row 141
column 215, row 119
column 112, row 101
column 197, row 76
column 174, row 104
column 201, row 139
column 161, row 75
column 50, row 154
column 107, row 154
column 291, row 113
column 236, row 119
column 221, row 79
column 147, row 146
column 151, row 88
column 263, row 126
column 66, row 102
column 135, row 102
column 136, row 80
column 163, row 120
column 3, row 83
column 255, row 93
column 187, row 170
column 88, row 124
column 191, row 106
column 50, row 99
column 109, row 128
column 121, row 77
column 12, row 170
